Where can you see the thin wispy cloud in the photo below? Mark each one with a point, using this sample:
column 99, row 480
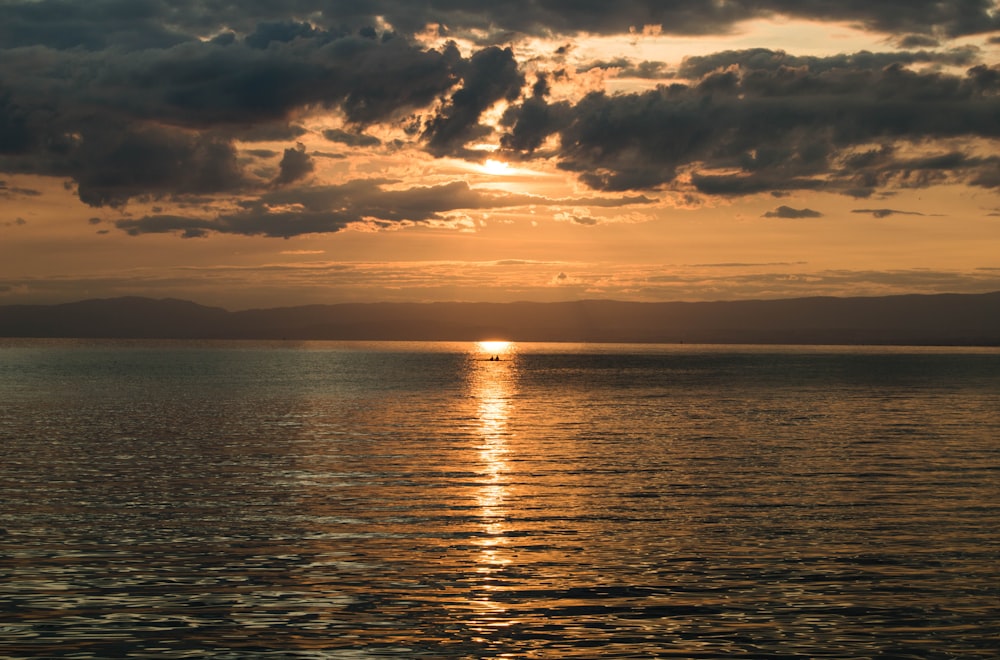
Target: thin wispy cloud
column 885, row 213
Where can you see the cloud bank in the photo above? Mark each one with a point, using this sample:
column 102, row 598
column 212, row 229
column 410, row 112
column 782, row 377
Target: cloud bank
column 159, row 101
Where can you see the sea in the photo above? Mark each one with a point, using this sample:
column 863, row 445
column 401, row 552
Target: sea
column 424, row 500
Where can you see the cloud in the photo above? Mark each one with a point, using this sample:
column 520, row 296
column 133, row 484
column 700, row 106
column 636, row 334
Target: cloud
column 248, row 284
column 737, row 264
column 491, row 75
column 157, row 102
column 9, row 192
column 787, row 283
column 16, row 136
column 148, row 23
column 578, row 217
column 295, row 164
column 289, row 212
column 111, row 164
column 885, row 213
column 789, row 212
column 101, row 24
column 531, row 122
column 370, row 80
column 562, row 279
column 766, row 59
column 949, row 17
column 280, row 32
column 163, row 120
column 351, row 139
column 203, row 84
column 625, row 67
column 918, row 41
column 267, row 131
column 520, row 262
column 720, row 129
column 749, row 184
column 66, row 25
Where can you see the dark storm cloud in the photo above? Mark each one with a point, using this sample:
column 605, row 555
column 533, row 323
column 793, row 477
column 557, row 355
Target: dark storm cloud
column 882, row 167
column 328, row 209
column 792, row 213
column 203, row 84
column 629, row 68
column 531, row 122
column 90, row 89
column 295, row 164
column 140, row 24
column 988, row 177
column 113, row 164
column 773, row 128
column 279, row 131
column 739, row 184
column 918, row 41
column 261, row 153
column 93, row 116
column 321, row 210
column 16, row 134
column 92, row 25
column 949, row 17
column 490, row 75
column 766, row 59
column 351, row 139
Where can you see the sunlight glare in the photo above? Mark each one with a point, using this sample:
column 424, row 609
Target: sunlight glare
column 494, row 347
column 496, row 167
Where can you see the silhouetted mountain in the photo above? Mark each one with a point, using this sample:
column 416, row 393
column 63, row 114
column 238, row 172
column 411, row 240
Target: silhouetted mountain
column 912, row 319
column 132, row 317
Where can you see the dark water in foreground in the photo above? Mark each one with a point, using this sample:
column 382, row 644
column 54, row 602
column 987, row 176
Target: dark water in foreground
column 239, row 500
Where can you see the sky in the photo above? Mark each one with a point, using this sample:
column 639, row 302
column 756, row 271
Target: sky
column 268, row 153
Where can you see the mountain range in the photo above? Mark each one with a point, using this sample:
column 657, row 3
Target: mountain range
column 945, row 319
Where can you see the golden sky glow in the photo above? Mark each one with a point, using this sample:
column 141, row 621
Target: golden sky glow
column 276, row 159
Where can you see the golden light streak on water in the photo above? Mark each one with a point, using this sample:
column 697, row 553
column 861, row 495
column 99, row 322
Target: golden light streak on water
column 492, row 383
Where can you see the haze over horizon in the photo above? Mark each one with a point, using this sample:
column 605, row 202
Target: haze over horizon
column 319, row 151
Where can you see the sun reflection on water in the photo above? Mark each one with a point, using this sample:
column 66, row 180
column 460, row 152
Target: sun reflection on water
column 492, row 383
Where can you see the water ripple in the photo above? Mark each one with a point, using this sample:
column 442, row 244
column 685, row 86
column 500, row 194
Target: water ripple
column 233, row 501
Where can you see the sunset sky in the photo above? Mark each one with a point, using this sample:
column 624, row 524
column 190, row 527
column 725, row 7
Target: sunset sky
column 268, row 153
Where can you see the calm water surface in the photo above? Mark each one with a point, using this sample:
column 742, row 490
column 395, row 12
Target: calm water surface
column 235, row 500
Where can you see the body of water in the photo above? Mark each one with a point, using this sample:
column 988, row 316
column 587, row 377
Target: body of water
column 348, row 500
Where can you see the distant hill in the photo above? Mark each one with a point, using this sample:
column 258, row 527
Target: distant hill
column 948, row 319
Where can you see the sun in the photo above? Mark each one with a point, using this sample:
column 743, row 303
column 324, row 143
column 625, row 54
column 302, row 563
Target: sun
column 494, row 347
column 496, row 167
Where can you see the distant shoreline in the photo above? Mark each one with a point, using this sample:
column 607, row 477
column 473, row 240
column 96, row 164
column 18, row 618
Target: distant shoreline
column 906, row 320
